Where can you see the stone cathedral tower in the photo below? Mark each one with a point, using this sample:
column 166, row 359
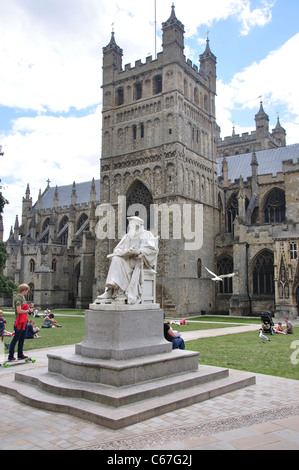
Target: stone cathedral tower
column 158, row 149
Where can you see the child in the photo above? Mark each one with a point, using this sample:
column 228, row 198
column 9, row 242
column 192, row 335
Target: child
column 3, row 331
column 279, row 329
column 31, row 331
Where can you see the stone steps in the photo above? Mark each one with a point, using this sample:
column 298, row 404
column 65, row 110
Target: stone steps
column 130, row 404
column 120, row 373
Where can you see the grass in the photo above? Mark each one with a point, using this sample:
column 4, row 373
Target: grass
column 72, row 330
column 243, row 351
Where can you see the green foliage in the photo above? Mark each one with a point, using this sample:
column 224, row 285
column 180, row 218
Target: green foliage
column 3, row 256
column 7, row 287
column 3, row 201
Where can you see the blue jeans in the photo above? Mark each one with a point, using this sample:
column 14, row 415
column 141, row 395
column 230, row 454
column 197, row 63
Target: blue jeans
column 178, row 343
column 19, row 337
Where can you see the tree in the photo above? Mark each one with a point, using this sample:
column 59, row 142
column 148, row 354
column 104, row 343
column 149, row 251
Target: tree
column 7, row 286
column 3, row 256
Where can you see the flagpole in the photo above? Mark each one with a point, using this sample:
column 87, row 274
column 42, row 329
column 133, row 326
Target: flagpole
column 155, row 29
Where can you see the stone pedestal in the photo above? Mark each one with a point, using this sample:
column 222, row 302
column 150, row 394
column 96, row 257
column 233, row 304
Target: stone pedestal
column 123, row 332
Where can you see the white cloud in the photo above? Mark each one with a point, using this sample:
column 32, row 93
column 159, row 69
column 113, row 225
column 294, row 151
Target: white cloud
column 257, row 17
column 60, row 149
column 205, row 13
column 43, row 64
column 275, row 80
column 50, row 51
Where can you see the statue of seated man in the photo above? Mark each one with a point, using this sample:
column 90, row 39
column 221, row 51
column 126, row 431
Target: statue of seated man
column 136, row 250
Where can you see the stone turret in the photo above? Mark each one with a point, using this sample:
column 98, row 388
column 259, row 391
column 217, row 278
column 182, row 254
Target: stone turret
column 112, row 60
column 262, row 127
column 173, row 38
column 208, row 65
column 279, row 133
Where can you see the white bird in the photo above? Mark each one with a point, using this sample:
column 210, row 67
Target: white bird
column 263, row 337
column 221, row 276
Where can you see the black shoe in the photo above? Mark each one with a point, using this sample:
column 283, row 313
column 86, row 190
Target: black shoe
column 11, row 359
column 23, row 357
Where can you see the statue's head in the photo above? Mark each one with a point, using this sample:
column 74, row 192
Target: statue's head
column 136, row 226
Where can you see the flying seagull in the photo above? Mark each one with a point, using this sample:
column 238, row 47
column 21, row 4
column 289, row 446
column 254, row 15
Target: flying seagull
column 221, row 276
column 263, row 337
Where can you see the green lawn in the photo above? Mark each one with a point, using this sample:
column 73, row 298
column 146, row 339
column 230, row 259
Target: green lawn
column 245, row 351
column 72, row 330
column 242, row 351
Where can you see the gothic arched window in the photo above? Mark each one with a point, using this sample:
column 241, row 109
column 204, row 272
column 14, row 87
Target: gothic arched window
column 134, row 132
column 157, row 84
column 45, row 237
column 139, row 202
column 32, row 266
column 138, row 91
column 63, row 222
column 225, row 266
column 263, row 273
column 120, row 96
column 46, row 223
column 275, row 206
column 81, row 221
column 63, row 231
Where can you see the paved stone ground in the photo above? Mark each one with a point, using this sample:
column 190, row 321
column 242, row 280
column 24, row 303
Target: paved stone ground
column 264, row 416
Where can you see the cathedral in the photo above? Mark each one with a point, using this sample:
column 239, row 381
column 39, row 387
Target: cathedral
column 161, row 148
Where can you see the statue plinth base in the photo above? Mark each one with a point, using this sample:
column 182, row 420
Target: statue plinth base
column 123, row 332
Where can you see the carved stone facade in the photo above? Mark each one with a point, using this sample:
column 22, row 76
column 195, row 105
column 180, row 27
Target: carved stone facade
column 158, row 142
column 52, row 250
column 259, row 220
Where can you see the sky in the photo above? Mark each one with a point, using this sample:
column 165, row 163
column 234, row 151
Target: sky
column 51, row 75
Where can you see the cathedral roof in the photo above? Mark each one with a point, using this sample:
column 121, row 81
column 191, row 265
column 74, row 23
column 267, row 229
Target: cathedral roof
column 269, row 162
column 65, row 194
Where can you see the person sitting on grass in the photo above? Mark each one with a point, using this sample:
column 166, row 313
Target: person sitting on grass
column 3, row 331
column 49, row 322
column 279, row 329
column 289, row 330
column 32, row 331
